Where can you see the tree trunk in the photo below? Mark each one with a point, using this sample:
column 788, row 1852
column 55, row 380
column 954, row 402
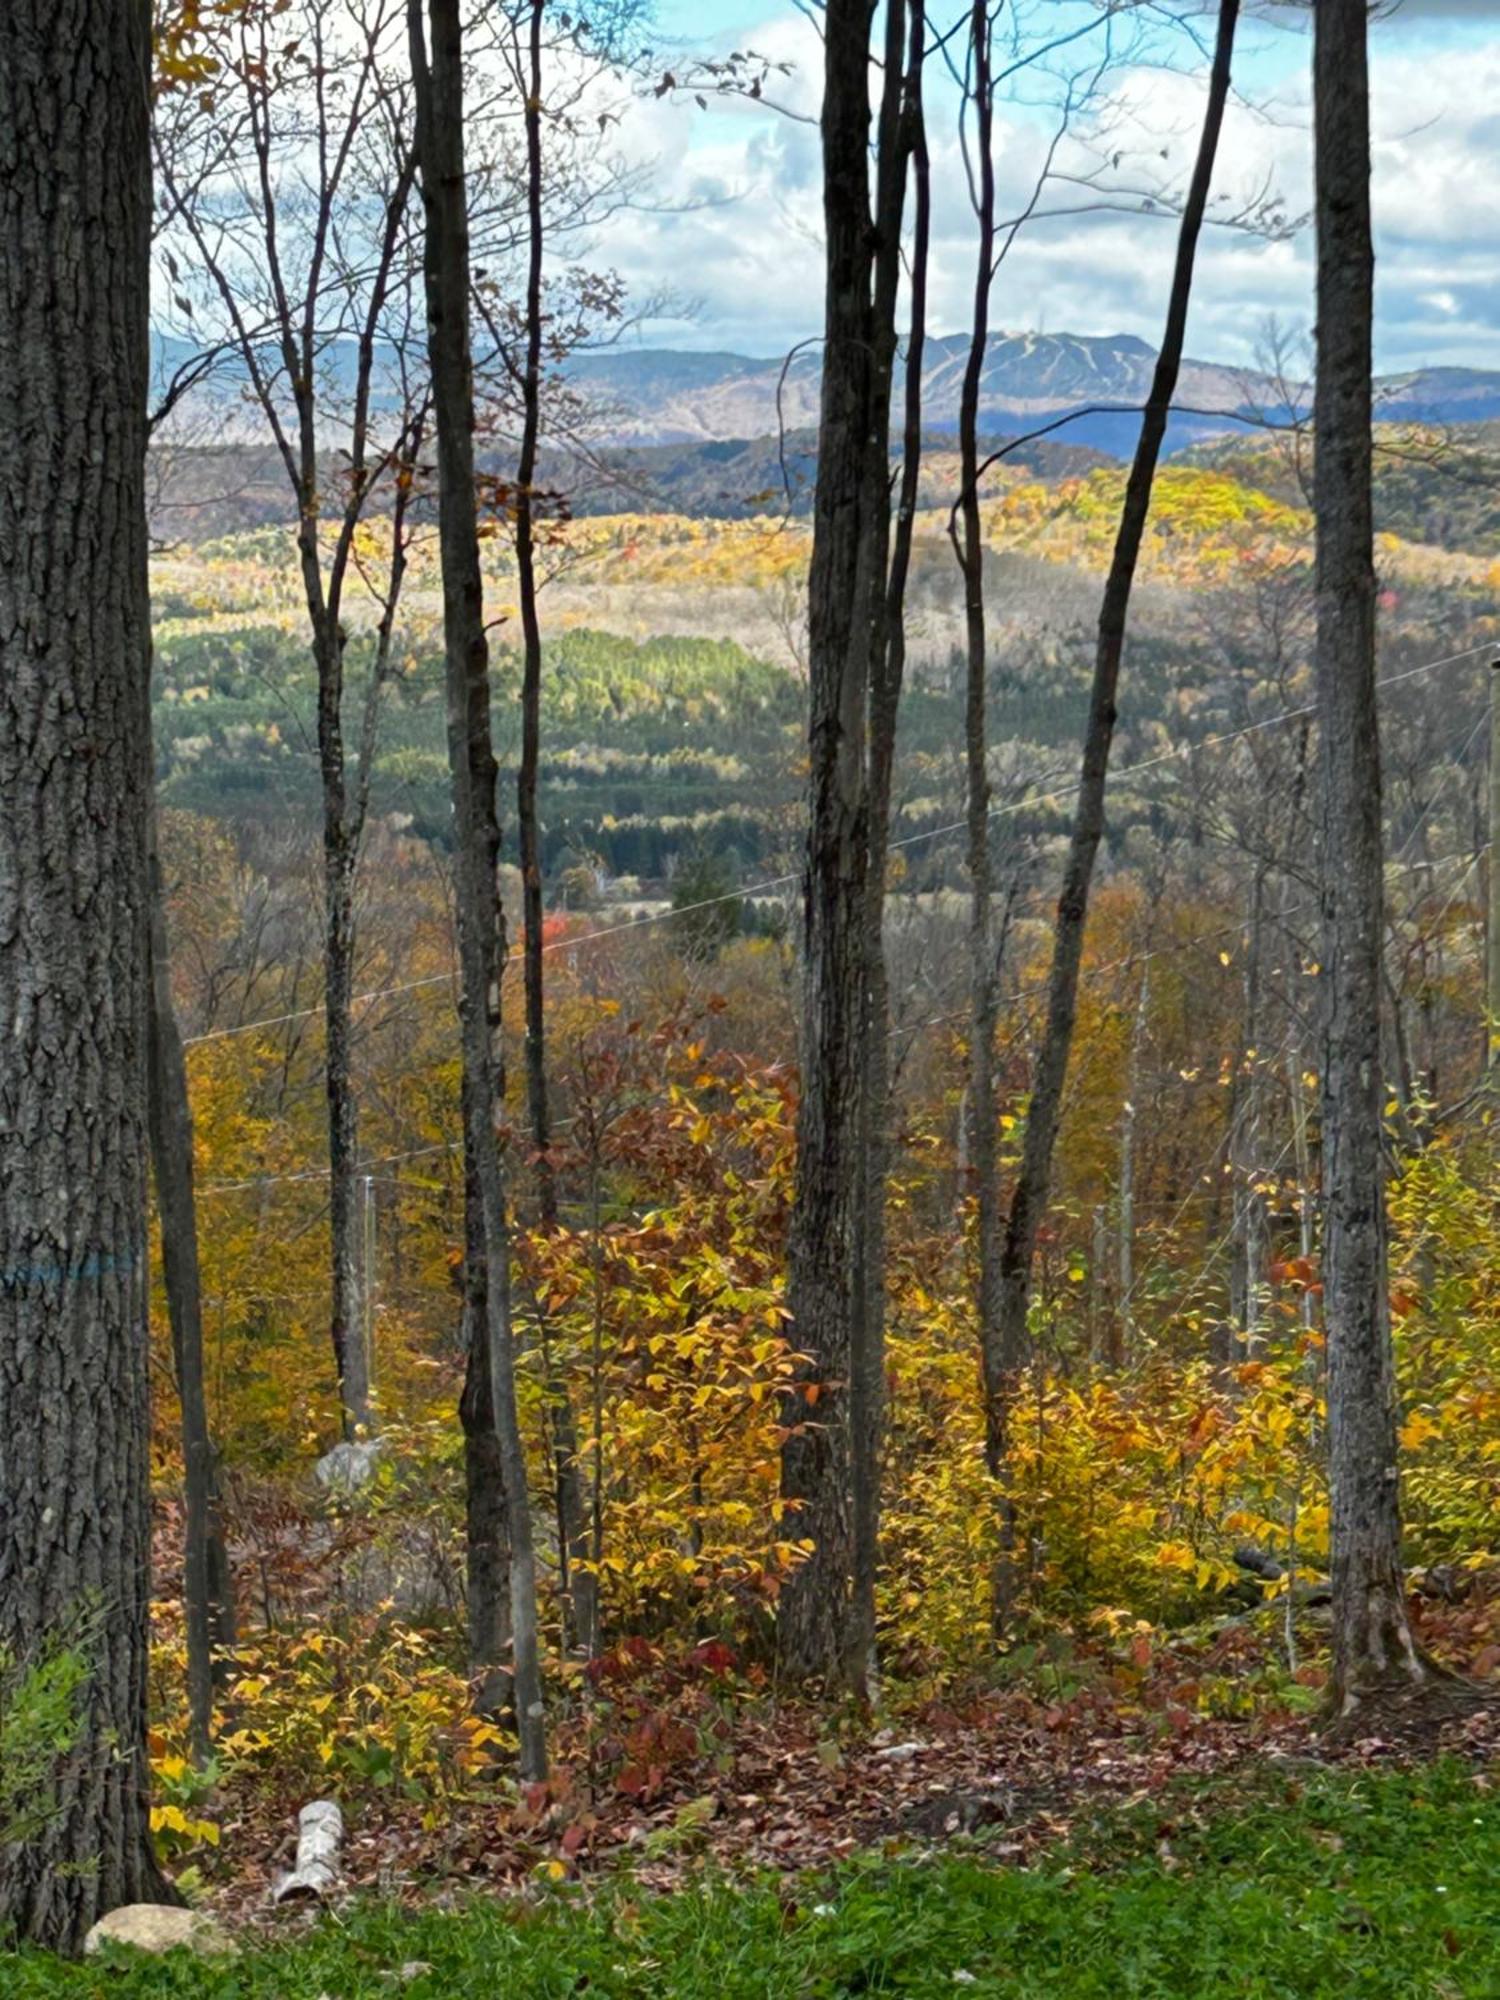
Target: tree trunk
column 1492, row 931
column 481, row 928
column 579, row 1581
column 1104, row 1323
column 531, row 637
column 75, row 1536
column 1122, row 1322
column 1372, row 1643
column 206, row 1587
column 1306, row 1239
column 1000, row 1364
column 813, row 1624
column 903, row 140
column 346, row 1319
column 1033, row 1185
column 487, row 1537
column 1248, row 1246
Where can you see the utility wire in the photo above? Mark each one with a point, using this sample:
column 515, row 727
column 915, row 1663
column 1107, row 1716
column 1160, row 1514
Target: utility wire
column 937, row 1021
column 912, row 1029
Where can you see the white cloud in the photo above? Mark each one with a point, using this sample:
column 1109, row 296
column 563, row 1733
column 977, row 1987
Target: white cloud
column 744, row 180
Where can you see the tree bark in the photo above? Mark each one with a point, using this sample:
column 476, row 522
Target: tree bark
column 531, row 641
column 1492, row 924
column 580, row 1583
column 1033, row 1184
column 999, row 1365
column 207, row 1594
column 1372, row 1642
column 830, row 1461
column 486, row 1534
column 1001, row 1361
column 1248, row 1246
column 903, row 146
column 813, row 1622
column 346, row 1318
column 481, row 928
column 1121, row 1322
column 75, row 1540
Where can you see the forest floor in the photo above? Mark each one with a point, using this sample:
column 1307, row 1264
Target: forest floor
column 1289, row 1881
column 665, row 1765
column 1154, row 1818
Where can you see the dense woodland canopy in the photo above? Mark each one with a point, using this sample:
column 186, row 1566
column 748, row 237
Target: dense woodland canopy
column 671, row 1103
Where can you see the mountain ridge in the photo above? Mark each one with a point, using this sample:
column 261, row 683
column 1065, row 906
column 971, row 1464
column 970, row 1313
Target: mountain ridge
column 687, row 396
column 1083, row 390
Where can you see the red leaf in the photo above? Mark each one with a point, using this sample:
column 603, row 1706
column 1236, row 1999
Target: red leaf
column 714, row 1656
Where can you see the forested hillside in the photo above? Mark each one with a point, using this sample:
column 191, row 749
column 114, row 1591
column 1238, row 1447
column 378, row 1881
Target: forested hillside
column 1433, row 484
column 678, row 745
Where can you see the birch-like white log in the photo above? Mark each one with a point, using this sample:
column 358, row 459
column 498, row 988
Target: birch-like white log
column 320, row 1835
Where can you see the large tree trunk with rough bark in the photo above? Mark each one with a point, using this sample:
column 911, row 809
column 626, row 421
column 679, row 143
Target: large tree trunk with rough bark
column 481, row 937
column 75, row 1542
column 1372, row 1643
column 207, row 1591
column 1029, row 1197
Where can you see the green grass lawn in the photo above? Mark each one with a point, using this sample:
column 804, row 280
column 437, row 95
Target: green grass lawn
column 1355, row 1886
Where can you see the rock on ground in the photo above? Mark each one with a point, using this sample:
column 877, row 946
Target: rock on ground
column 158, row 1927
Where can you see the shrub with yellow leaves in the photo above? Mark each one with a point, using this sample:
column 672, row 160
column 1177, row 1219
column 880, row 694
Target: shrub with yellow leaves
column 374, row 1709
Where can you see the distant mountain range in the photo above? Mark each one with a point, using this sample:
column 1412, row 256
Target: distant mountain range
column 658, row 396
column 720, row 434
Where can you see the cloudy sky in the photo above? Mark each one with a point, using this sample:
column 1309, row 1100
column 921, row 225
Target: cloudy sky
column 731, row 219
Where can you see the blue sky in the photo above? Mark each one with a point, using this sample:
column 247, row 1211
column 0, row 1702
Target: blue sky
column 731, row 225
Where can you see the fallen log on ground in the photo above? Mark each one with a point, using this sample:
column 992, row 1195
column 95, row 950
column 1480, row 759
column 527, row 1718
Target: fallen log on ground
column 320, row 1836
